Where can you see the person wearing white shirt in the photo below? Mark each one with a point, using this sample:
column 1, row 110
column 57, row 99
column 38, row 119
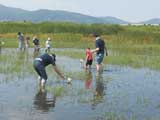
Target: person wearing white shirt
column 48, row 45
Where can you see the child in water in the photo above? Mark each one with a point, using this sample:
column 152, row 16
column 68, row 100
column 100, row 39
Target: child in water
column 89, row 58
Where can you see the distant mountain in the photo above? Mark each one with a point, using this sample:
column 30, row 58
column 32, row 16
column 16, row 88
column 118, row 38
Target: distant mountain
column 16, row 14
column 113, row 20
column 152, row 21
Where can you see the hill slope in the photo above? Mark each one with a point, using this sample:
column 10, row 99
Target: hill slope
column 16, row 14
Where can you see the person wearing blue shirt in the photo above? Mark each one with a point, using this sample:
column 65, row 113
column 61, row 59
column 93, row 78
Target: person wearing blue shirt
column 100, row 50
column 41, row 62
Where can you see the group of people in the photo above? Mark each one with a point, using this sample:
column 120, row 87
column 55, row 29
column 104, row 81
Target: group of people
column 46, row 59
column 100, row 51
column 24, row 43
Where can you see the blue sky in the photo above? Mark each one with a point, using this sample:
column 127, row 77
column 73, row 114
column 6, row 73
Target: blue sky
column 129, row 10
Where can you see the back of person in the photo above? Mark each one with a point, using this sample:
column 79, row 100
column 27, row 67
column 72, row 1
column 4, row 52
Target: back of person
column 47, row 59
column 101, row 45
column 89, row 54
column 39, row 65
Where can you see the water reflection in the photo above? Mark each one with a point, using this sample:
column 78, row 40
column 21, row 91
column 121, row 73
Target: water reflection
column 26, row 56
column 88, row 80
column 43, row 102
column 99, row 91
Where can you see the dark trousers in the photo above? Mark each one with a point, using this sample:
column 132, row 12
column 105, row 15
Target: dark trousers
column 40, row 69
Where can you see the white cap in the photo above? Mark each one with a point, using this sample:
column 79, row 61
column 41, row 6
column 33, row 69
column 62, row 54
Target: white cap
column 49, row 38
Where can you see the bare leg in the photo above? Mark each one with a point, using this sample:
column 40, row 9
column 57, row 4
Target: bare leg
column 98, row 66
column 89, row 67
column 43, row 82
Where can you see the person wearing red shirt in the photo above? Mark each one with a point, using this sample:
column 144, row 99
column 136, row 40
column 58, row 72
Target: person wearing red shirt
column 89, row 58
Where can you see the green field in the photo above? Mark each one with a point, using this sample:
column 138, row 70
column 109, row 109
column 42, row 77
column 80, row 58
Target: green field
column 136, row 46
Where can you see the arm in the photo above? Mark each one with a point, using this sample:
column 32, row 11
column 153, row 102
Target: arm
column 95, row 50
column 105, row 48
column 58, row 72
column 97, row 47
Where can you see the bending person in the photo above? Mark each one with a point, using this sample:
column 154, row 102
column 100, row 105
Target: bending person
column 41, row 62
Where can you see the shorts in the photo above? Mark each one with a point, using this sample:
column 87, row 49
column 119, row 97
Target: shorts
column 99, row 58
column 89, row 62
column 48, row 48
column 40, row 69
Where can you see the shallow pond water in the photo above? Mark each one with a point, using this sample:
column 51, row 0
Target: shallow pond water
column 116, row 93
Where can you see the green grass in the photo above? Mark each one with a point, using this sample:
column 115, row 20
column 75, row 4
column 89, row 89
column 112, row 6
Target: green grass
column 15, row 63
column 57, row 27
column 136, row 46
column 133, row 60
column 57, row 91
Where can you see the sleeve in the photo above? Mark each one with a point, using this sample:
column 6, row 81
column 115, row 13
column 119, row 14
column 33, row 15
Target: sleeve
column 53, row 61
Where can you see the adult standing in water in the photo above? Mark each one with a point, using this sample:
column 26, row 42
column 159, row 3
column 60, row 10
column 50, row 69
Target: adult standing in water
column 36, row 44
column 21, row 41
column 100, row 50
column 41, row 62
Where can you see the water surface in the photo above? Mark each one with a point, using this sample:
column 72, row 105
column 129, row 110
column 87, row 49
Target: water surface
column 122, row 92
